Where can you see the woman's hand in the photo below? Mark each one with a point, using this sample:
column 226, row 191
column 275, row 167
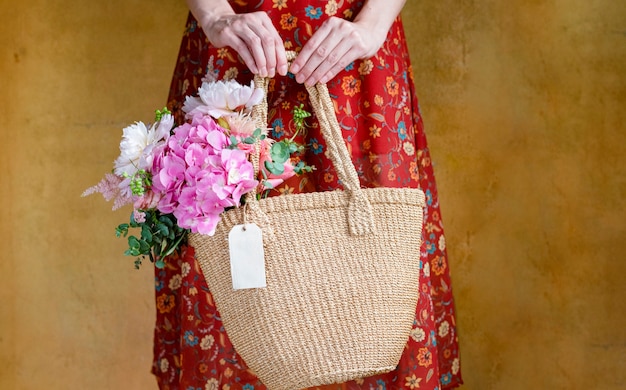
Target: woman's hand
column 334, row 46
column 254, row 38
column 338, row 42
column 251, row 35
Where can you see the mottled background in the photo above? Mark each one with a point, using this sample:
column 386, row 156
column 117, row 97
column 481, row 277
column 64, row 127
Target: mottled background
column 524, row 103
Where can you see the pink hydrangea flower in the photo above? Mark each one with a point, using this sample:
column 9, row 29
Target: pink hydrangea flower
column 198, row 176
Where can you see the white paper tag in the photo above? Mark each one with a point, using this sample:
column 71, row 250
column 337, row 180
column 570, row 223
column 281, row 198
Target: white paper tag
column 247, row 259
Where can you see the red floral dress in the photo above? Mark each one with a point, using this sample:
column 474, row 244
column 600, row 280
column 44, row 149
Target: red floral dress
column 379, row 114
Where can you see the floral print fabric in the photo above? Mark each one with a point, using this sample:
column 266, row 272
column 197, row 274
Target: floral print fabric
column 379, row 114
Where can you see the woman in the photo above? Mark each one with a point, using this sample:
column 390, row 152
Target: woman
column 358, row 48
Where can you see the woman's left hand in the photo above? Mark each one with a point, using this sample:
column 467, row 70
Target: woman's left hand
column 334, row 46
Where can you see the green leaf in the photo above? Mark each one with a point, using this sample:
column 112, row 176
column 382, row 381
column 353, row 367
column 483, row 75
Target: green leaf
column 274, row 168
column 144, row 247
column 163, row 229
column 280, row 152
column 166, row 220
column 133, row 223
column 146, row 234
column 121, row 230
column 133, row 242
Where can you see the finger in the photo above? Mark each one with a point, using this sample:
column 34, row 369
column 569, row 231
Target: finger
column 254, row 45
column 242, row 49
column 310, row 49
column 267, row 45
column 351, row 56
column 282, row 65
column 316, row 60
column 279, row 55
column 338, row 58
column 269, row 48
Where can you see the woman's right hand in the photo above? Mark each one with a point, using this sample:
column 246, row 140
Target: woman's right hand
column 253, row 37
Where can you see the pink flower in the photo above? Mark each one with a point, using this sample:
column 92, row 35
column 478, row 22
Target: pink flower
column 197, row 175
column 167, row 181
column 111, row 189
column 240, row 173
column 139, row 216
column 148, row 201
column 242, row 125
column 272, row 179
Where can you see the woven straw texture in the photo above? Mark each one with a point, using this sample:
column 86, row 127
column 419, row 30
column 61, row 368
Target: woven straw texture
column 342, row 272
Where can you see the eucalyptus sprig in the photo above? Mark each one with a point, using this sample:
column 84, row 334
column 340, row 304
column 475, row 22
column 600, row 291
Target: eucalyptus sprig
column 160, row 237
column 257, row 136
column 283, row 150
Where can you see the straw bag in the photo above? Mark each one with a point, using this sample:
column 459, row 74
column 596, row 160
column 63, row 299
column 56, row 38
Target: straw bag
column 342, row 271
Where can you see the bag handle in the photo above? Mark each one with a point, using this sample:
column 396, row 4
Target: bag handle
column 360, row 215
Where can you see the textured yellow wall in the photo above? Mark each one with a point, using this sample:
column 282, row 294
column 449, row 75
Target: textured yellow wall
column 524, row 104
column 74, row 312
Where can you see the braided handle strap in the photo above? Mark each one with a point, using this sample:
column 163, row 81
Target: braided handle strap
column 360, row 214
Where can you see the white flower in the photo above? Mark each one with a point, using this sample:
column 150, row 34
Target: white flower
column 427, row 269
column 212, row 384
column 331, row 8
column 409, row 149
column 164, row 365
column 184, row 269
column 418, row 334
column 442, row 243
column 231, row 73
column 444, row 328
column 175, row 282
column 455, row 366
column 138, row 143
column 207, row 342
column 222, row 98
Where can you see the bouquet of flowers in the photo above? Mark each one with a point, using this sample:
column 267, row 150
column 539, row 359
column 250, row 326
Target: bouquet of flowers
column 182, row 178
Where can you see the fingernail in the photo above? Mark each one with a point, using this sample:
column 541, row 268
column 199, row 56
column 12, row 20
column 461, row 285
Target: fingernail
column 283, row 70
column 294, row 68
column 300, row 78
column 263, row 72
column 272, row 73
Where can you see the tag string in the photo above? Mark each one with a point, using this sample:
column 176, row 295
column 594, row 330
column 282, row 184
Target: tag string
column 245, row 215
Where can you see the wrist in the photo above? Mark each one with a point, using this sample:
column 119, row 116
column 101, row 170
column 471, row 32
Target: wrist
column 376, row 18
column 374, row 34
column 209, row 14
